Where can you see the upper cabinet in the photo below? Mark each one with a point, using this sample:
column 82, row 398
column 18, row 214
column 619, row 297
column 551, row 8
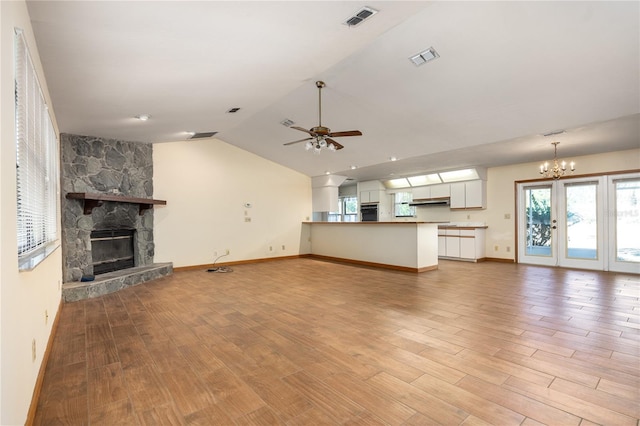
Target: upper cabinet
column 370, row 196
column 469, row 195
column 370, row 191
column 431, row 191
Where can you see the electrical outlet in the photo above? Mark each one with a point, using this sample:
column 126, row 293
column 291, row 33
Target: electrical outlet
column 495, row 248
column 33, row 350
column 247, row 219
column 270, row 248
column 283, row 247
column 468, row 216
column 508, row 249
column 226, row 252
column 215, row 254
column 507, row 215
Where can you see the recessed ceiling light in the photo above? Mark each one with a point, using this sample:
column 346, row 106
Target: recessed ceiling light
column 397, row 183
column 327, row 173
column 392, row 158
column 354, row 167
column 423, row 57
column 143, row 117
column 424, row 179
column 459, row 175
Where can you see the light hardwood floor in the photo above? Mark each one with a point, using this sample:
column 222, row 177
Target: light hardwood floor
column 306, row 342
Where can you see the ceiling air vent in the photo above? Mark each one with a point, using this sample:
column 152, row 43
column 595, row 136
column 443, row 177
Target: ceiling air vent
column 201, row 135
column 423, row 57
column 287, row 123
column 233, row 110
column 361, row 15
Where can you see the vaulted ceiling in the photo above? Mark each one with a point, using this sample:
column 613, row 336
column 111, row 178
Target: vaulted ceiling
column 507, row 73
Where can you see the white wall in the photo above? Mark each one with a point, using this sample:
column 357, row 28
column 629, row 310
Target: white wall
column 501, row 197
column 206, row 184
column 24, row 296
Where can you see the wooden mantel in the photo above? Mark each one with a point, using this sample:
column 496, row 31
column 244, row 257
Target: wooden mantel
column 92, row 200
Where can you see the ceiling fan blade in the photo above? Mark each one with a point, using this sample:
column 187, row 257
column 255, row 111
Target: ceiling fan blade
column 302, row 130
column 346, row 133
column 334, row 143
column 301, row 140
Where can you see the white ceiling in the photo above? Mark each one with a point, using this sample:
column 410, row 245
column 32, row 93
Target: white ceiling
column 508, row 72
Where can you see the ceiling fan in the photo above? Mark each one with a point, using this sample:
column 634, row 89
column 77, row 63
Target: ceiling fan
column 320, row 136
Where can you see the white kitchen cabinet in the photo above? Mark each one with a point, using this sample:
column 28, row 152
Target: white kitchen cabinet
column 369, row 196
column 441, row 191
column 421, row 192
column 452, row 240
column 467, row 244
column 469, row 195
column 464, row 243
column 431, row 191
column 442, row 246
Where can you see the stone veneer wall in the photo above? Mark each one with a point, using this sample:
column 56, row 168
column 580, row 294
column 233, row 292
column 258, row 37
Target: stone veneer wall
column 97, row 165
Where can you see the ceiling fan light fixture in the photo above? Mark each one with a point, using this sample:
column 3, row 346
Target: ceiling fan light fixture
column 308, row 145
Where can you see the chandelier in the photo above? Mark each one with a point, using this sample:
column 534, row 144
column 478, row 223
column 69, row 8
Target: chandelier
column 558, row 169
column 318, row 144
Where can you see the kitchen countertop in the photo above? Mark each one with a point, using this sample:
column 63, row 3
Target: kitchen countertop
column 374, row 223
column 447, row 226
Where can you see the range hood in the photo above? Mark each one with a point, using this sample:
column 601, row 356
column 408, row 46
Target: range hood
column 431, row 202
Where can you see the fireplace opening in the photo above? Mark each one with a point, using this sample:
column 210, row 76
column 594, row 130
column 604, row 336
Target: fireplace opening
column 112, row 250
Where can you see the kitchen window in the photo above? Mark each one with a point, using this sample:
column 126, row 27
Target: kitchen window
column 347, row 210
column 401, row 205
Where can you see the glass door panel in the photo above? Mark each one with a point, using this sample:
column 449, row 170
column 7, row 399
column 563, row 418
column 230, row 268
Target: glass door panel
column 581, row 231
column 561, row 223
column 624, row 195
column 536, row 225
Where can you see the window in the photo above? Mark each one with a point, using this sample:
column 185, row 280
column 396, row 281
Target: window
column 402, row 207
column 347, row 210
column 36, row 164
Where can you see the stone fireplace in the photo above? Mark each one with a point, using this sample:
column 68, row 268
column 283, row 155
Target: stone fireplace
column 113, row 169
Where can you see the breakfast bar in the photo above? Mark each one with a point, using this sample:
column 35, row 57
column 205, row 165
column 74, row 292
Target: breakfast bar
column 405, row 246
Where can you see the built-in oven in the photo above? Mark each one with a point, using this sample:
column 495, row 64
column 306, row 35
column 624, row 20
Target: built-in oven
column 369, row 212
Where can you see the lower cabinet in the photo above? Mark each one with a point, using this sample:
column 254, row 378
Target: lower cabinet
column 464, row 243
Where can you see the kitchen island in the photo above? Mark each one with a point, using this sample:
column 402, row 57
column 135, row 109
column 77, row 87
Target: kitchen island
column 404, row 246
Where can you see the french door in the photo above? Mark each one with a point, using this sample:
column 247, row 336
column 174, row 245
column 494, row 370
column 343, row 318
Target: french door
column 563, row 223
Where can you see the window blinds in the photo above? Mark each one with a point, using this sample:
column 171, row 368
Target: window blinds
column 36, row 159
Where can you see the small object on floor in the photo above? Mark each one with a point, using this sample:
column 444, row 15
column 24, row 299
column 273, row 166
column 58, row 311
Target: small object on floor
column 220, row 269
column 86, row 278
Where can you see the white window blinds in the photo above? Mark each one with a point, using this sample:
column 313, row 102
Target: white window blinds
column 36, row 161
